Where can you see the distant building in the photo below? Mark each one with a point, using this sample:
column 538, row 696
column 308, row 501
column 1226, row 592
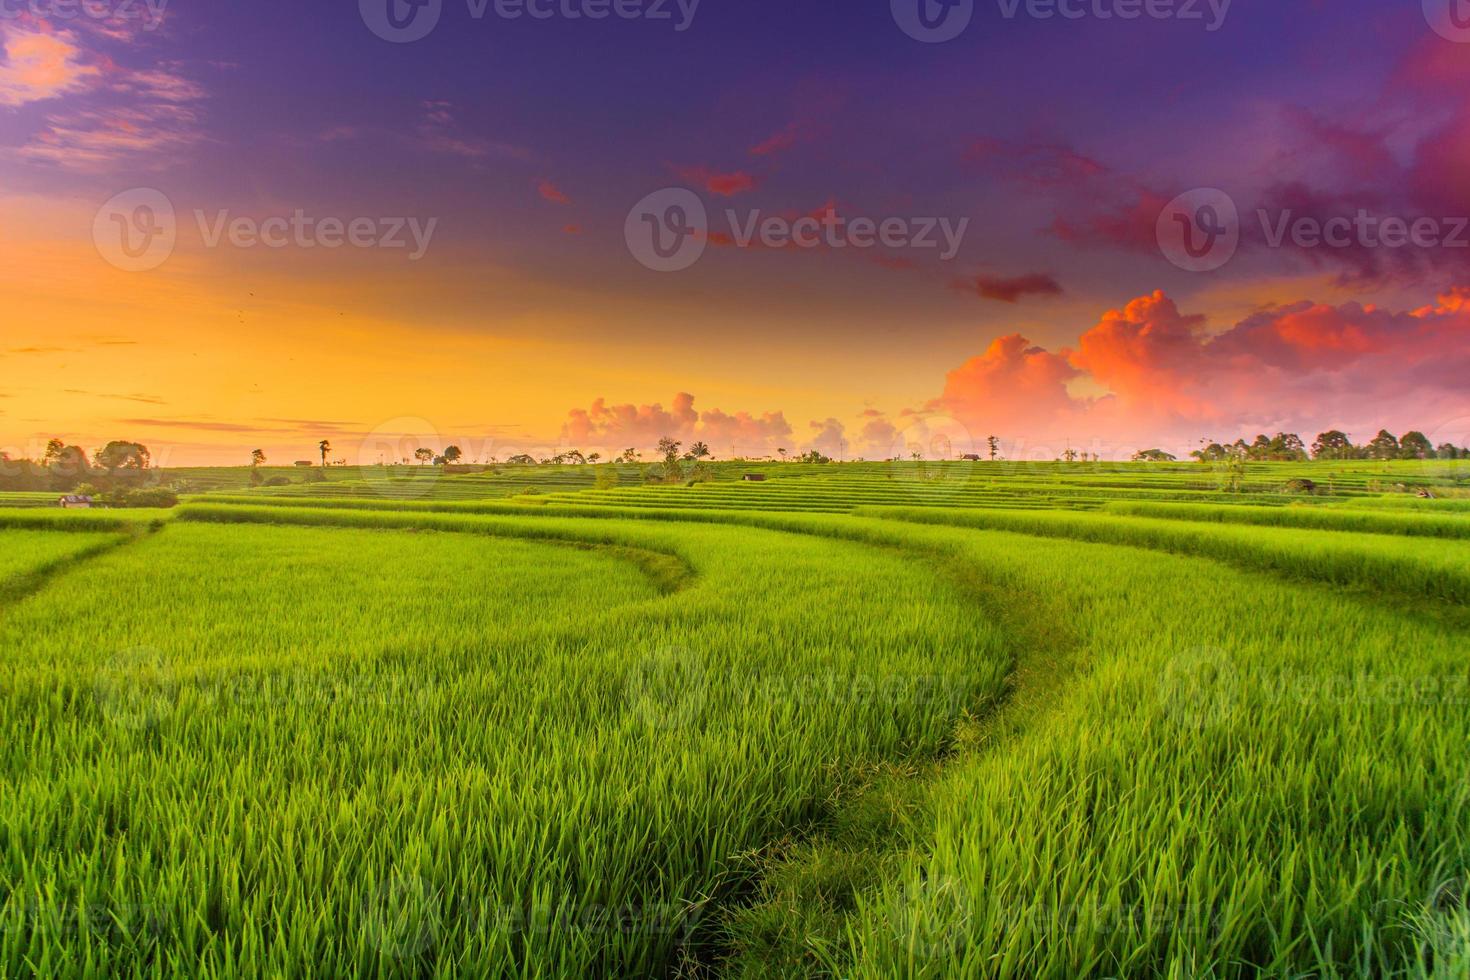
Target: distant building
column 970, row 458
column 76, row 501
column 755, row 478
column 304, row 462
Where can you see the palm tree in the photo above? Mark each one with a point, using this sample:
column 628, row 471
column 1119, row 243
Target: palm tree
column 325, row 448
column 699, row 450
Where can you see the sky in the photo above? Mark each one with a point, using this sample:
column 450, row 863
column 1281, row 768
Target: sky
column 539, row 225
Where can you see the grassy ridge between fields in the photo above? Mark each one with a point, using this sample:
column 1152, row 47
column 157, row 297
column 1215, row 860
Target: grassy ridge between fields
column 1318, row 519
column 1415, row 569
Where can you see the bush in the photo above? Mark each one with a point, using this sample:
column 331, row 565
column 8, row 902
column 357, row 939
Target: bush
column 161, row 497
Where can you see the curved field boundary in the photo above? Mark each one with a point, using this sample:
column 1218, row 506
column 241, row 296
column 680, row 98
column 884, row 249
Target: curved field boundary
column 83, row 520
column 1440, row 505
column 1427, row 525
column 1418, row 569
column 33, row 579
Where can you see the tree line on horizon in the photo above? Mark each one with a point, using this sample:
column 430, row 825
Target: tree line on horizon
column 119, row 474
column 1331, row 445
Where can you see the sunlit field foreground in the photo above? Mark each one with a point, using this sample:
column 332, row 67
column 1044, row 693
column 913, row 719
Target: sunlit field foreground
column 853, row 721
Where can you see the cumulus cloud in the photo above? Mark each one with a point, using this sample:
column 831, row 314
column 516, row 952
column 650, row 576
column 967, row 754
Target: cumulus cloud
column 613, row 428
column 830, row 438
column 1158, row 375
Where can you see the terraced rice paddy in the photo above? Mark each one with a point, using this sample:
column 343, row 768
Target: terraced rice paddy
column 874, row 720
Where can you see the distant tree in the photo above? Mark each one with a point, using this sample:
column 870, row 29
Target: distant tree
column 257, row 457
column 453, row 454
column 1070, row 456
column 1212, row 453
column 70, row 463
column 630, row 455
column 594, row 458
column 1415, row 445
column 1154, row 456
column 1260, row 449
column 1383, row 446
column 424, row 456
column 994, row 445
column 1333, row 444
column 324, row 447
column 54, row 449
column 782, row 454
column 699, row 450
column 1447, row 450
column 668, row 448
column 122, row 455
column 522, row 459
column 1287, row 447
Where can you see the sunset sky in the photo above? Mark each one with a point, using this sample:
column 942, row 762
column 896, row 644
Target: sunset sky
column 529, row 323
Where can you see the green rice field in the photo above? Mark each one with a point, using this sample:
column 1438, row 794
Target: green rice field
column 862, row 720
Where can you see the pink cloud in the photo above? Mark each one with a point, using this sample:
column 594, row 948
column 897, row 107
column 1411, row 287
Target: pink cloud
column 780, row 141
column 551, row 192
column 1010, row 289
column 1166, row 379
column 723, row 184
column 41, row 65
column 613, row 428
column 830, row 438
